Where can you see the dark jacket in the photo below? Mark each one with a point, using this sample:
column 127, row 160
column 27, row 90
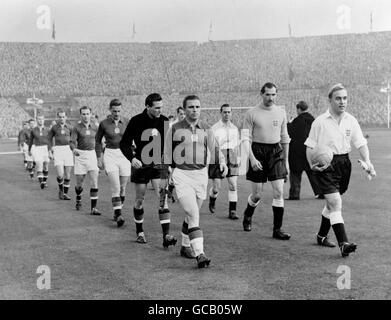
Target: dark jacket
column 298, row 131
column 139, row 132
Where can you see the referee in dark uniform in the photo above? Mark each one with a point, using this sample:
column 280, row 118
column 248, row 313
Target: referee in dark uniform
column 298, row 131
column 147, row 132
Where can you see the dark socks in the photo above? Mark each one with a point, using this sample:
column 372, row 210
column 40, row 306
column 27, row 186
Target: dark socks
column 340, row 234
column 278, row 213
column 324, row 227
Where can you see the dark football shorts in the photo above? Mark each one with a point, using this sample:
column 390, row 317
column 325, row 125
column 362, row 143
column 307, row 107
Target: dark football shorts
column 147, row 173
column 232, row 164
column 336, row 177
column 273, row 163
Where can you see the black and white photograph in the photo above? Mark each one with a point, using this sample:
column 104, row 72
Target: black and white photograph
column 196, row 156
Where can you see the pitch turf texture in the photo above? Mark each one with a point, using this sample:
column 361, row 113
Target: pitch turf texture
column 90, row 258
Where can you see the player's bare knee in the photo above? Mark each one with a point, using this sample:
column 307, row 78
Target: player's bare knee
column 232, row 187
column 334, row 203
column 278, row 194
column 255, row 197
column 115, row 192
column 193, row 221
column 215, row 189
column 160, row 191
column 94, row 183
column 138, row 203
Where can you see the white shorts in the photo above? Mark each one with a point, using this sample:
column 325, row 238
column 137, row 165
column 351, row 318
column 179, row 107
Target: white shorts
column 63, row 156
column 25, row 150
column 114, row 160
column 190, row 181
column 85, row 161
column 40, row 153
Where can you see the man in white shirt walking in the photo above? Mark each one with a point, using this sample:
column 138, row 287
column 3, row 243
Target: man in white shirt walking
column 336, row 129
column 227, row 135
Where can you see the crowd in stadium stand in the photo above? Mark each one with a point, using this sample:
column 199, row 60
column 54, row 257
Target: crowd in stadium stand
column 11, row 117
column 219, row 71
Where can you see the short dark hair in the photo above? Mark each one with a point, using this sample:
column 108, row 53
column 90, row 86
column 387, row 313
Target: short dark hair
column 60, row 111
column 268, row 85
column 170, row 116
column 225, row 105
column 115, row 103
column 31, row 120
column 152, row 98
column 179, row 109
column 188, row 98
column 302, row 105
column 84, row 108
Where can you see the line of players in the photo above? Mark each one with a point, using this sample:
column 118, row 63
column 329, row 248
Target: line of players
column 128, row 153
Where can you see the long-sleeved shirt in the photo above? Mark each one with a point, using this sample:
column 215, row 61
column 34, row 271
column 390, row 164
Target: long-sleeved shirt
column 266, row 125
column 298, row 131
column 112, row 131
column 143, row 131
column 187, row 148
column 83, row 136
column 24, row 136
column 61, row 135
column 39, row 137
column 325, row 130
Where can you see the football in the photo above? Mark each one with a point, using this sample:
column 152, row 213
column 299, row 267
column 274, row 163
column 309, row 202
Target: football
column 321, row 154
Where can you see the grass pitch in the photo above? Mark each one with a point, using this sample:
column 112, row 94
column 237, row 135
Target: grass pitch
column 90, row 258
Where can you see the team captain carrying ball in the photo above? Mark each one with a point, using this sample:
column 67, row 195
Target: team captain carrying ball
column 321, row 156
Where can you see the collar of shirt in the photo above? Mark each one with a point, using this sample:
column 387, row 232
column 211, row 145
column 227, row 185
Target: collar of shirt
column 120, row 120
column 229, row 124
column 145, row 113
column 266, row 108
column 186, row 125
column 153, row 119
column 82, row 125
column 66, row 125
column 329, row 115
